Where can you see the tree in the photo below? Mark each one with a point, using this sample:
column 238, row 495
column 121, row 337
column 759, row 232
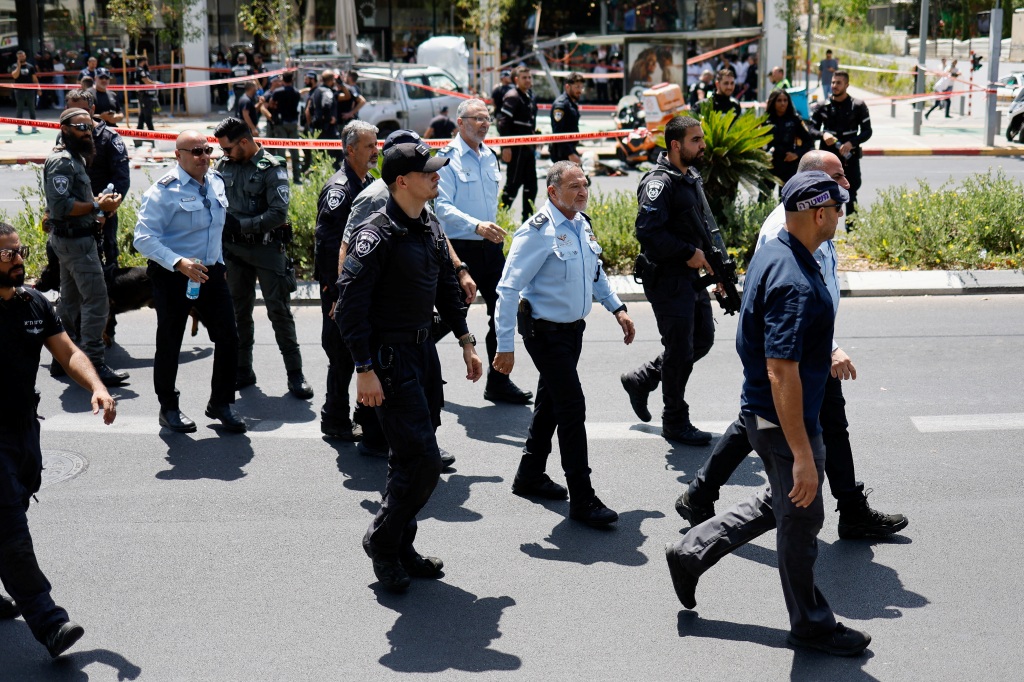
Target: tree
column 263, row 19
column 134, row 15
column 180, row 22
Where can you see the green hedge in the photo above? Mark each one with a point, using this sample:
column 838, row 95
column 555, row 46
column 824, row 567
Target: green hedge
column 974, row 223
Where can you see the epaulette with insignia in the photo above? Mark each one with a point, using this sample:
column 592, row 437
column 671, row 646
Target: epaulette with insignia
column 537, row 221
column 445, row 151
column 268, row 161
column 587, row 218
column 167, row 179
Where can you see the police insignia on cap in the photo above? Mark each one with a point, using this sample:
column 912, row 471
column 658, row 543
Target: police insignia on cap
column 813, row 201
column 61, row 183
column 334, row 198
column 654, row 189
column 366, row 243
column 282, row 191
column 557, row 115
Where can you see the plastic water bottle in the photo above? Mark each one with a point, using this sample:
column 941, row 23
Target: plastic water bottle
column 109, row 189
column 192, row 289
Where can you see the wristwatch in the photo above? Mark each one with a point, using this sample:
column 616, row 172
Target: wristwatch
column 95, row 206
column 460, row 267
column 467, row 340
column 364, row 367
column 620, row 309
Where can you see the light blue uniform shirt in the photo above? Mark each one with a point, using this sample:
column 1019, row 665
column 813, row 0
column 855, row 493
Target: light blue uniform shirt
column 468, row 189
column 554, row 263
column 825, row 255
column 174, row 222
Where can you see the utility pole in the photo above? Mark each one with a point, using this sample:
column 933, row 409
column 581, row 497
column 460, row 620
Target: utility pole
column 995, row 39
column 807, row 66
column 922, row 52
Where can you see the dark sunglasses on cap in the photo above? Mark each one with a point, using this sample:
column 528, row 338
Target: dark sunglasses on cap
column 81, row 126
column 197, row 151
column 7, row 255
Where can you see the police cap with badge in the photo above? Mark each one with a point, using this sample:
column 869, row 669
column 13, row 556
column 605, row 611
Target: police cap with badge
column 406, row 158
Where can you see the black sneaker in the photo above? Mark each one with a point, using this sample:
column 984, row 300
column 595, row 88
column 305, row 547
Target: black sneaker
column 8, row 609
column 62, row 637
column 593, row 513
column 419, row 566
column 637, row 397
column 348, row 432
column 447, row 458
column 687, row 435
column 683, row 582
column 694, row 512
column 111, row 377
column 862, row 522
column 391, row 574
column 542, row 487
column 842, row 641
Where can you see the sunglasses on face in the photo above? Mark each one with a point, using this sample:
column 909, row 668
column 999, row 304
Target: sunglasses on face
column 7, row 255
column 197, row 151
column 81, row 126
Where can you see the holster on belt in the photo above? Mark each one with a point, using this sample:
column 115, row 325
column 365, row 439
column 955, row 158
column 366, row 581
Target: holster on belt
column 525, row 319
column 644, row 270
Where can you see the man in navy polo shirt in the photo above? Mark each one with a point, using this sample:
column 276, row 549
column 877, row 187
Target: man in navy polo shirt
column 784, row 340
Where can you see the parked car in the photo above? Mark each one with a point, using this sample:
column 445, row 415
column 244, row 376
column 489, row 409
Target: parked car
column 1007, row 87
column 392, row 105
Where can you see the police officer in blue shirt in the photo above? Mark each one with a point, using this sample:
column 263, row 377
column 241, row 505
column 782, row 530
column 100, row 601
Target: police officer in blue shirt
column 181, row 219
column 856, row 517
column 784, row 339
column 552, row 275
column 467, row 206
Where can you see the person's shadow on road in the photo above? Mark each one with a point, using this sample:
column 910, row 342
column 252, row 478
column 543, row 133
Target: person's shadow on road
column 362, row 473
column 25, row 659
column 191, row 459
column 504, row 424
column 450, row 496
column 855, row 585
column 265, row 412
column 807, row 665
column 442, row 628
column 618, row 544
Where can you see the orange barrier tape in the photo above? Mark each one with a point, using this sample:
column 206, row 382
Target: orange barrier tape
column 302, row 143
column 143, row 86
column 714, row 53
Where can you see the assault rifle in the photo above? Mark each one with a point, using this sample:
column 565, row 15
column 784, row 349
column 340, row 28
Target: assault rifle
column 718, row 257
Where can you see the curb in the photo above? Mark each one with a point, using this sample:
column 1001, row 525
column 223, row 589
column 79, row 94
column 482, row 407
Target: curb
column 956, row 151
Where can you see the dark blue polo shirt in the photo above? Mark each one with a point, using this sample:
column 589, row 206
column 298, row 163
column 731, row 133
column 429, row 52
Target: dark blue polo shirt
column 786, row 314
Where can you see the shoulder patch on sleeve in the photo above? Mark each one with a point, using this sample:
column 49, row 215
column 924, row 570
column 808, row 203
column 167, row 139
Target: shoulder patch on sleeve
column 537, row 221
column 61, row 183
column 366, row 242
column 334, row 198
column 654, row 189
column 118, row 144
column 557, row 115
column 284, row 192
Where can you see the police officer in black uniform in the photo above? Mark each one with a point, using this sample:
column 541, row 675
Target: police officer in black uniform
column 322, row 113
column 333, row 209
column 397, row 270
column 27, row 323
column 498, row 94
column 843, row 124
column 672, row 240
column 565, row 118
column 109, row 166
column 518, row 116
column 147, row 98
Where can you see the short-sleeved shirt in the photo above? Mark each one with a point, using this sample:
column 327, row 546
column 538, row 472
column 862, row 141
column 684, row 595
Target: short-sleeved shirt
column 286, row 104
column 250, row 104
column 106, row 101
column 66, row 181
column 786, row 314
column 141, row 76
column 443, row 127
column 26, row 322
column 25, row 73
column 241, row 71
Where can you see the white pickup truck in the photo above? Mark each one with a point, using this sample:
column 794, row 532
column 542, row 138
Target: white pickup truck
column 392, row 105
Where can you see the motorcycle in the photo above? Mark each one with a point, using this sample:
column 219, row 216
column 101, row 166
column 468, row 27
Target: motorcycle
column 1015, row 127
column 637, row 147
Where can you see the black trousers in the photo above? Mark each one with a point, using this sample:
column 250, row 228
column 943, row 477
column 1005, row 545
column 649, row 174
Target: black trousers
column 687, row 329
column 108, row 246
column 559, row 406
column 796, row 537
column 486, row 260
column 218, row 315
column 21, row 466
column 410, row 375
column 521, row 172
column 146, row 106
column 734, row 445
column 851, row 167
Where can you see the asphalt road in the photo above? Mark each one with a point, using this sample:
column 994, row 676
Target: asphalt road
column 237, row 557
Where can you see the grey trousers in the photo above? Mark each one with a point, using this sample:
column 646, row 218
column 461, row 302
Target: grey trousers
column 83, row 293
column 797, row 531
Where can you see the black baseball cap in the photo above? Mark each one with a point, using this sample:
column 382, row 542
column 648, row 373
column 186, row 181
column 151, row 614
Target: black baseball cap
column 401, row 137
column 102, row 73
column 402, row 159
column 811, row 189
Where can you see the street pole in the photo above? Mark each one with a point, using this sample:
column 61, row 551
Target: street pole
column 995, row 39
column 807, row 66
column 922, row 52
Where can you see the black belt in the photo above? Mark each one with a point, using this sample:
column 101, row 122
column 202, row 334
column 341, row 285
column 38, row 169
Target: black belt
column 418, row 336
column 547, row 326
column 74, row 232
